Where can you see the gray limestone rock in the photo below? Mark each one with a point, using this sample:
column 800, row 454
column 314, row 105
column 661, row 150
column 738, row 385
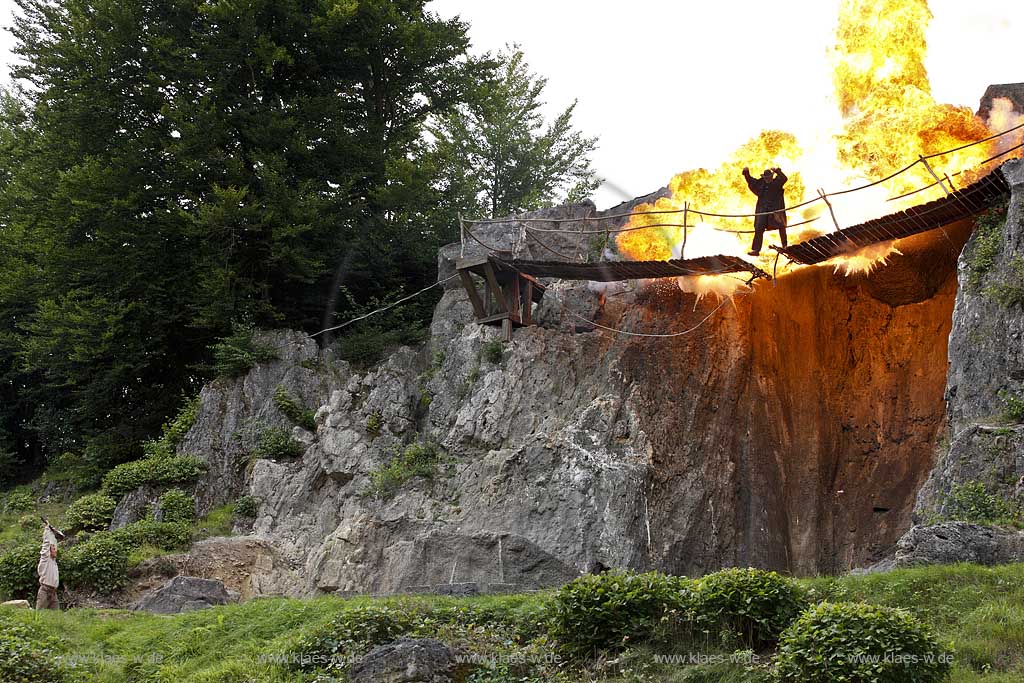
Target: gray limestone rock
column 184, row 594
column 134, row 506
column 410, row 660
column 234, row 411
column 986, row 365
column 953, row 542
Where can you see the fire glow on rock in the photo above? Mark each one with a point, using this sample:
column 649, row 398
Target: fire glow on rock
column 888, row 120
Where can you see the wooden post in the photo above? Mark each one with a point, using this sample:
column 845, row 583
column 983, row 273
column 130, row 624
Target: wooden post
column 686, row 214
column 474, row 297
column 462, row 236
column 821, row 193
column 934, row 175
column 492, row 282
column 579, row 241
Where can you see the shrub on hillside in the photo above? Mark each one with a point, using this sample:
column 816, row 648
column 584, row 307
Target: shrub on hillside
column 607, row 611
column 18, row 579
column 177, row 469
column 860, row 642
column 356, row 630
column 26, row 657
column 291, row 409
column 755, row 605
column 176, row 507
column 19, row 501
column 416, row 460
column 163, row 535
column 352, row 632
column 100, row 562
column 971, row 501
column 90, row 513
column 277, row 443
column 246, row 507
column 236, row 354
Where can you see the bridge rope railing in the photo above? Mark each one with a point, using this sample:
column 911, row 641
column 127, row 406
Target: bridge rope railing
column 944, row 181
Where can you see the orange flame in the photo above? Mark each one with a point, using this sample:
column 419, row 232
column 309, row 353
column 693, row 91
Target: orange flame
column 889, row 120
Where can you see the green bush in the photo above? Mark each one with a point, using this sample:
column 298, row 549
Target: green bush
column 858, row 642
column 18, row 578
column 247, row 506
column 177, row 507
column 755, row 605
column 291, row 409
column 236, row 354
column 176, row 428
column 19, row 501
column 492, row 351
column 277, row 443
column 987, row 243
column 972, row 502
column 26, row 657
column 163, row 535
column 353, row 632
column 90, row 513
column 100, row 562
column 358, row 629
column 177, row 469
column 1014, row 411
column 417, row 460
column 374, row 423
column 611, row 610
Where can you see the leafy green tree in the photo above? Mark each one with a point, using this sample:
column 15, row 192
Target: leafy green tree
column 175, row 167
column 495, row 154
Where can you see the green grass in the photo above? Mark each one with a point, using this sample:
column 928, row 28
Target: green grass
column 218, row 522
column 979, row 610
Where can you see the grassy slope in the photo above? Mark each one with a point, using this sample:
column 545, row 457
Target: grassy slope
column 979, row 610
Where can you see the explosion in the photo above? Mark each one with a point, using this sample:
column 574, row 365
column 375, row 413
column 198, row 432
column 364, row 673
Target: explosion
column 889, row 120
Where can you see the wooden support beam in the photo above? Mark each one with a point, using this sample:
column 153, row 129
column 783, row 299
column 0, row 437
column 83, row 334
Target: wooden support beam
column 492, row 282
column 474, row 296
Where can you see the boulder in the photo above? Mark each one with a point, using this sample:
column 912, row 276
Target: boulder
column 410, row 660
column 16, row 604
column 953, row 542
column 184, row 594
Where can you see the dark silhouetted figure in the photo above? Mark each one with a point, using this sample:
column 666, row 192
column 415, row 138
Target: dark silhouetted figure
column 771, row 205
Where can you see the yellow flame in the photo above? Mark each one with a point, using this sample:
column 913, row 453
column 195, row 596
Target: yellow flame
column 889, row 120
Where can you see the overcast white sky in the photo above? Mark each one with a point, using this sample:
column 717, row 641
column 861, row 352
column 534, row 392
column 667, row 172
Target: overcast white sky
column 669, row 86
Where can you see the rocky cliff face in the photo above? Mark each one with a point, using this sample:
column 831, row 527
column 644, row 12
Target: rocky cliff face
column 790, row 429
column 986, row 365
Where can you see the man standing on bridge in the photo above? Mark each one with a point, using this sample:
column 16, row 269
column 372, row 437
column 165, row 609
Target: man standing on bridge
column 771, row 205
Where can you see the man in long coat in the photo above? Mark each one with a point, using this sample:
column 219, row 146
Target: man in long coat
column 771, row 205
column 49, row 578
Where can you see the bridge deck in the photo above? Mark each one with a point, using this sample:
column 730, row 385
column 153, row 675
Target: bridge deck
column 609, row 271
column 956, row 206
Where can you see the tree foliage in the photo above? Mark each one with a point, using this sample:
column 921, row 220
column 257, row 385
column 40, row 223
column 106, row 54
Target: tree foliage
column 173, row 171
column 498, row 157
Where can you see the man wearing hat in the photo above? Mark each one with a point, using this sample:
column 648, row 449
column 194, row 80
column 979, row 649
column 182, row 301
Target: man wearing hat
column 771, row 205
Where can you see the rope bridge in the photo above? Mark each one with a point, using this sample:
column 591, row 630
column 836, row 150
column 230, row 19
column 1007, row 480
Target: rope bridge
column 955, row 206
column 511, row 287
